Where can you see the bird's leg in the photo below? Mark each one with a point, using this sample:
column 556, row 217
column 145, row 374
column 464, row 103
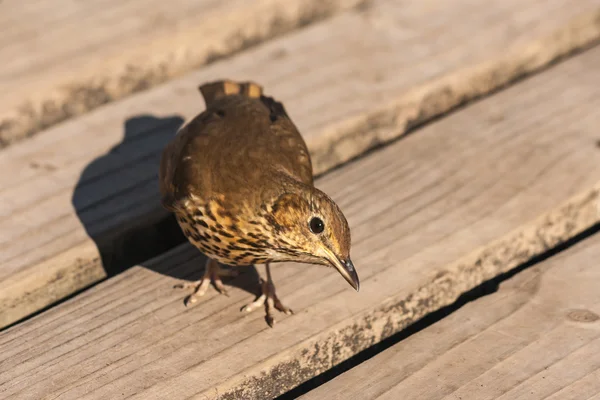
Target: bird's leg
column 212, row 273
column 268, row 299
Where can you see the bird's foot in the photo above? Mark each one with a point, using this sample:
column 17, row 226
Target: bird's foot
column 212, row 273
column 270, row 301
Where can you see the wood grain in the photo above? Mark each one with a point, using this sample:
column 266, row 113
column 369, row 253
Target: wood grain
column 82, row 197
column 63, row 60
column 537, row 337
column 457, row 203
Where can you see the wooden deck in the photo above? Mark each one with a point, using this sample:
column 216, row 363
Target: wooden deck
column 80, row 200
column 464, row 199
column 64, row 58
column 537, row 337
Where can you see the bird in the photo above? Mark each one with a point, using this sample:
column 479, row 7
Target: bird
column 238, row 178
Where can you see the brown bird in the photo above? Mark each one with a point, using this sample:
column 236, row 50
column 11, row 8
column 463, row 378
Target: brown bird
column 239, row 179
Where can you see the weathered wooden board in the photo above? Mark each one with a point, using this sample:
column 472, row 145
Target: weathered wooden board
column 66, row 57
column 456, row 203
column 352, row 82
column 537, row 337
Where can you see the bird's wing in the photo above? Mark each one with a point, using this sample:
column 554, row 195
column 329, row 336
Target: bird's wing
column 236, row 146
column 168, row 166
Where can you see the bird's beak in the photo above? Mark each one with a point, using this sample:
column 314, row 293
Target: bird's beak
column 346, row 269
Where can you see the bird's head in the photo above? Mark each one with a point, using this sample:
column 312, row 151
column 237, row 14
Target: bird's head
column 309, row 227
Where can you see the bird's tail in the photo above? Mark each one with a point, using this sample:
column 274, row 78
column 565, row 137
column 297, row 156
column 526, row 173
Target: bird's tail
column 213, row 91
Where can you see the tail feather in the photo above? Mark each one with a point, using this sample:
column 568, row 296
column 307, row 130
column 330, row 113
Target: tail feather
column 213, row 91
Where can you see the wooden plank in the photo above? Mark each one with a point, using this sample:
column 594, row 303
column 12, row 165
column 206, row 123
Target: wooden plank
column 537, row 337
column 62, row 60
column 434, row 215
column 65, row 193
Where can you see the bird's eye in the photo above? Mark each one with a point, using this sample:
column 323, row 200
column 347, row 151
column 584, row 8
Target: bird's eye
column 316, row 225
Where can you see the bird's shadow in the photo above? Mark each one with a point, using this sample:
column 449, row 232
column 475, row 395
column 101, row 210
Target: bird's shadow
column 106, row 193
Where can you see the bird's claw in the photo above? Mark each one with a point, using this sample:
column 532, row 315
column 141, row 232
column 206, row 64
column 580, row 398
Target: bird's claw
column 270, row 301
column 212, row 273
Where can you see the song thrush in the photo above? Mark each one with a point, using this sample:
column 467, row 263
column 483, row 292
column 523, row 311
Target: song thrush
column 239, row 179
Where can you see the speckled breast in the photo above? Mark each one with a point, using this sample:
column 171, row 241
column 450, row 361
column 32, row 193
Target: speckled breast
column 223, row 238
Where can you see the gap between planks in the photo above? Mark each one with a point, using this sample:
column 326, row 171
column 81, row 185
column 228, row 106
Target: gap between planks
column 463, row 200
column 363, row 93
